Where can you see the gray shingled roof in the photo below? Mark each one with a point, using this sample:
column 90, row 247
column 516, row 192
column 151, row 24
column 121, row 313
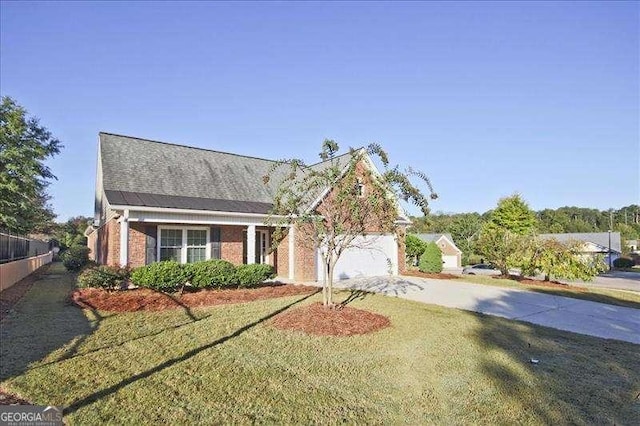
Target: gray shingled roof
column 141, row 172
column 599, row 238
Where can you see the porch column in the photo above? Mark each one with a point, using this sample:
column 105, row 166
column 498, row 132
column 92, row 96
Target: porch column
column 251, row 244
column 124, row 239
column 292, row 252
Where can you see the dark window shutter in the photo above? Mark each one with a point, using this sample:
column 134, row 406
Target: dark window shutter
column 214, row 239
column 152, row 237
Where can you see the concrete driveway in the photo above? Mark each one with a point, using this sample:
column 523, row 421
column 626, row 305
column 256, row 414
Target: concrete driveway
column 620, row 280
column 563, row 313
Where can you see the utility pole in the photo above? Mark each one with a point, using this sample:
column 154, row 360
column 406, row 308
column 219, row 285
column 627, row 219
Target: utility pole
column 609, row 249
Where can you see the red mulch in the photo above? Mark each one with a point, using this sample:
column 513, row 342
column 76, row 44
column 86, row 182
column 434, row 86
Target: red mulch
column 10, row 296
column 550, row 284
column 340, row 321
column 149, row 300
column 440, row 276
column 9, row 399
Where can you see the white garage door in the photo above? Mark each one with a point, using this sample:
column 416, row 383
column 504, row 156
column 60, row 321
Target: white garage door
column 449, row 261
column 374, row 256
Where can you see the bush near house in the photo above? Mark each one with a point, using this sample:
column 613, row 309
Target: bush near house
column 107, row 277
column 252, row 275
column 75, row 258
column 431, row 259
column 164, row 276
column 212, row 273
column 623, row 262
column 414, row 247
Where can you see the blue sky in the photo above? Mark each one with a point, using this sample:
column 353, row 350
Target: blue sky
column 487, row 98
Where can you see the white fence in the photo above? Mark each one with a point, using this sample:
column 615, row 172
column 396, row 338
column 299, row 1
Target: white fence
column 12, row 272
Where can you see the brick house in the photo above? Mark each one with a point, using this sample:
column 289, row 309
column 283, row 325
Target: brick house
column 156, row 201
column 451, row 254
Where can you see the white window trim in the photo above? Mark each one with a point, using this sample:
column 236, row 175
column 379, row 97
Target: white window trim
column 183, row 251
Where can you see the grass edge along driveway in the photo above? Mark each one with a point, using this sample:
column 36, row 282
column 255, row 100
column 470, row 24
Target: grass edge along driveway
column 222, row 364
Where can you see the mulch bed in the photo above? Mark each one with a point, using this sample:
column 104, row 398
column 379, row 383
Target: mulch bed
column 10, row 296
column 550, row 284
column 439, row 276
column 341, row 321
column 9, row 399
column 149, row 300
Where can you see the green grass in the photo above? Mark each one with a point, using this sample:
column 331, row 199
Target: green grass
column 225, row 364
column 627, row 299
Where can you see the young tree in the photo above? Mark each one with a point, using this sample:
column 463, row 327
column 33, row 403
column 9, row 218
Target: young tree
column 24, row 145
column 431, row 259
column 501, row 247
column 507, row 234
column 561, row 260
column 514, row 215
column 332, row 203
column 414, row 247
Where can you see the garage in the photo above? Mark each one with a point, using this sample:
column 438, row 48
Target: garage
column 374, row 255
column 450, row 261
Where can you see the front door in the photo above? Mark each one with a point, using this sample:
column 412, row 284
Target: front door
column 262, row 247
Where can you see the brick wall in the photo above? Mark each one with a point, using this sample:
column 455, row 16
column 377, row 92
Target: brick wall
column 108, row 244
column 231, row 244
column 282, row 258
column 137, row 244
column 91, row 243
column 305, row 259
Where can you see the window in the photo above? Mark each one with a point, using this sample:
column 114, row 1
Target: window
column 196, row 245
column 359, row 188
column 184, row 245
column 171, row 244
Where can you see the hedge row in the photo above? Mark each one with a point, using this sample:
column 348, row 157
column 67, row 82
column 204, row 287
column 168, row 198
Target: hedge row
column 171, row 275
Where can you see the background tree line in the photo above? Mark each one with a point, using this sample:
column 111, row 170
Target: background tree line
column 465, row 227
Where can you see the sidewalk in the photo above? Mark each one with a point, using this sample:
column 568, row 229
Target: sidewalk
column 563, row 313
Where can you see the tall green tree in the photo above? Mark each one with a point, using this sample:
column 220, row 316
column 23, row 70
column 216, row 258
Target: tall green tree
column 24, row 146
column 514, row 215
column 506, row 236
column 71, row 232
column 354, row 200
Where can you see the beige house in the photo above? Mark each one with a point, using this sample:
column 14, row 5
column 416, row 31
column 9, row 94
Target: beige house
column 451, row 254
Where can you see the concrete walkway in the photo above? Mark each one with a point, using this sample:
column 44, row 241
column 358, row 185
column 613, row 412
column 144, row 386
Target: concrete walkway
column 563, row 313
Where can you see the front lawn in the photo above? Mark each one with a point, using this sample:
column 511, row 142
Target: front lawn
column 227, row 364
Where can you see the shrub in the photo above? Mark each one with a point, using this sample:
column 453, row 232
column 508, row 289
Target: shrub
column 163, row 276
column 252, row 275
column 212, row 273
column 431, row 259
column 623, row 262
column 107, row 277
column 414, row 247
column 75, row 258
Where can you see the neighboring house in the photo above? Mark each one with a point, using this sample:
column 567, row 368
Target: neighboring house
column 451, row 254
column 594, row 243
column 633, row 246
column 157, row 201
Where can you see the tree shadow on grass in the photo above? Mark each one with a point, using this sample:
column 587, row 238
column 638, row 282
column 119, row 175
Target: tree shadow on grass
column 577, row 379
column 145, row 374
column 42, row 323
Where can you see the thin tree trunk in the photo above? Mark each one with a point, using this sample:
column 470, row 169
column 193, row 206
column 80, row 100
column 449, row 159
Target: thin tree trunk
column 325, row 299
column 330, row 281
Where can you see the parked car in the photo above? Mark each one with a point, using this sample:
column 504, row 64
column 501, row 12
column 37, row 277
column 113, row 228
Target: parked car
column 481, row 269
